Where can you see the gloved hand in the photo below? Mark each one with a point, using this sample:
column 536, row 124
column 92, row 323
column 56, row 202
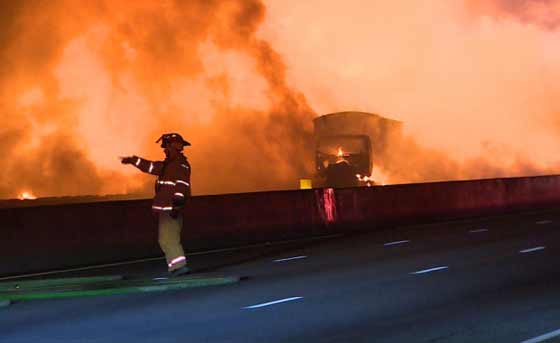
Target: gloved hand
column 129, row 159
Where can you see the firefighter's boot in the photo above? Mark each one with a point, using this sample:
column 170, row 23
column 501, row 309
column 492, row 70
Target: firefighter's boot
column 181, row 271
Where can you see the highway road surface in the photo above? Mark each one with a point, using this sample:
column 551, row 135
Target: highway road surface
column 494, row 279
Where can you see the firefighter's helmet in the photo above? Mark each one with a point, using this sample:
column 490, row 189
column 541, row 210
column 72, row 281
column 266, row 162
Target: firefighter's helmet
column 167, row 138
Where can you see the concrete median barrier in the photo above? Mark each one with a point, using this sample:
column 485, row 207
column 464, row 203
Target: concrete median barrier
column 63, row 236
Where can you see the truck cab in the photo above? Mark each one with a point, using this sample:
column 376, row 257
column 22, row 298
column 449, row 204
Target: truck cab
column 348, row 144
column 334, row 150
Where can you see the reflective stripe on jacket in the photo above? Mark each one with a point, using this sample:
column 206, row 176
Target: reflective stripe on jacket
column 173, row 186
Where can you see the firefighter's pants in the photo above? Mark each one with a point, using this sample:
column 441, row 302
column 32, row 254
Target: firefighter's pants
column 170, row 240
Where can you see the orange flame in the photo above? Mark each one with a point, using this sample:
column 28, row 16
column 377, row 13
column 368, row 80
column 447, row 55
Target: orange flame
column 340, row 153
column 368, row 180
column 99, row 88
column 377, row 177
column 27, row 196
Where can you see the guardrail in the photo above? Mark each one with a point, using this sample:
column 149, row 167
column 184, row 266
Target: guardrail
column 43, row 238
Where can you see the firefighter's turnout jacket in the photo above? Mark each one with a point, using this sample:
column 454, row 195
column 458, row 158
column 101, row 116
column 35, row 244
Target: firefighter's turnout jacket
column 173, row 186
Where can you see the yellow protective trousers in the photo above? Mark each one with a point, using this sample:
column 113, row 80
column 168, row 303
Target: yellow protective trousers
column 170, row 240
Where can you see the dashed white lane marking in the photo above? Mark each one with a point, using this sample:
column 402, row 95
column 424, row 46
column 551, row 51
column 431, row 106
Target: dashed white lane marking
column 395, row 243
column 272, row 303
column 478, row 230
column 542, row 222
column 430, row 270
column 543, row 337
column 531, row 250
column 290, row 258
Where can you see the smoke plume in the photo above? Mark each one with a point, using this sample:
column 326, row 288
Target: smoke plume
column 473, row 81
column 81, row 85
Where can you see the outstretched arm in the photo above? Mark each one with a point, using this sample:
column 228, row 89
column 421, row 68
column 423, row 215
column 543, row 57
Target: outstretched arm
column 150, row 167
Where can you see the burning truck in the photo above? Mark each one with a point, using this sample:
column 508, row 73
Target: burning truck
column 348, row 145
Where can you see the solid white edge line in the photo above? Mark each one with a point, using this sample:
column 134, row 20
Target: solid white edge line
column 290, row 258
column 206, row 252
column 479, row 230
column 531, row 250
column 543, row 337
column 395, row 243
column 429, row 270
column 79, row 269
column 272, row 303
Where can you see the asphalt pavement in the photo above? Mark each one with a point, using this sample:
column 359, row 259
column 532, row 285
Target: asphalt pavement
column 492, row 279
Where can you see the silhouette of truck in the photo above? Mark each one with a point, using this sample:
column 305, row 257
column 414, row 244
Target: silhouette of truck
column 348, row 144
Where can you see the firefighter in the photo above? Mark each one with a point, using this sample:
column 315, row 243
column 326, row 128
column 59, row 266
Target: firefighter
column 173, row 189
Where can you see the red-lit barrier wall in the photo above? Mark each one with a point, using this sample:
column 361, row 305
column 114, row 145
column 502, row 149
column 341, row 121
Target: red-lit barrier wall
column 61, row 236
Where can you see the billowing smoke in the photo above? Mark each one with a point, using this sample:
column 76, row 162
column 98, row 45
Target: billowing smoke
column 475, row 82
column 81, row 84
column 543, row 13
